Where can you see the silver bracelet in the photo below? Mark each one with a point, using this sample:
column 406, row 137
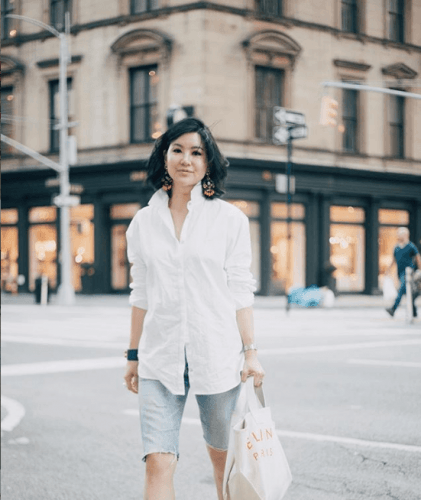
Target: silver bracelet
column 249, row 347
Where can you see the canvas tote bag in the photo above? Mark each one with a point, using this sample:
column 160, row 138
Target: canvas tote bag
column 256, row 467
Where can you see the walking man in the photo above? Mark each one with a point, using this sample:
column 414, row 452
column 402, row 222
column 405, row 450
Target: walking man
column 403, row 255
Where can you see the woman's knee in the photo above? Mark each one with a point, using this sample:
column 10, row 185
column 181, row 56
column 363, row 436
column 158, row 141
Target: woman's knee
column 160, row 465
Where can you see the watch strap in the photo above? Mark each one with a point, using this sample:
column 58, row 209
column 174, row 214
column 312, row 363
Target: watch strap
column 131, row 354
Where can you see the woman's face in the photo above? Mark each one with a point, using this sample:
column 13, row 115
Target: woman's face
column 186, row 160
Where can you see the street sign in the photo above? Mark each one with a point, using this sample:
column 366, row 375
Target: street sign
column 280, row 135
column 281, row 183
column 282, row 116
column 298, row 132
column 66, row 201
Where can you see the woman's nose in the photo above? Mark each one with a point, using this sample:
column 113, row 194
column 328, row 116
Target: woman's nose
column 186, row 158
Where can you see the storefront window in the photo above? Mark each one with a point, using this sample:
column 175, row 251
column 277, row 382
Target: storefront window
column 123, row 213
column 82, row 244
column 9, row 257
column 42, row 245
column 288, row 259
column 347, row 248
column 9, row 216
column 390, row 221
column 124, row 210
column 347, row 214
column 279, row 211
column 42, row 214
column 394, row 217
column 42, row 253
column 252, row 210
column 120, row 269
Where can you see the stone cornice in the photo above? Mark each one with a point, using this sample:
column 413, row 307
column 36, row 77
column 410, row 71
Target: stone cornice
column 50, row 63
column 250, row 14
column 351, row 65
column 400, row 71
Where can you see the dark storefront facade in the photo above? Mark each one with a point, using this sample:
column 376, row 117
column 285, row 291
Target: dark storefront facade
column 340, row 217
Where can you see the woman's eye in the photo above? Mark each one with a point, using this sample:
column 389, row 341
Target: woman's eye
column 176, row 150
column 197, row 153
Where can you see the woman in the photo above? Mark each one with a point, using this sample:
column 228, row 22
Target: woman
column 192, row 291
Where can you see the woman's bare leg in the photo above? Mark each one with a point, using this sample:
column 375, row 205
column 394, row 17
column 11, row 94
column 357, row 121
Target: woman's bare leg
column 218, row 459
column 160, row 468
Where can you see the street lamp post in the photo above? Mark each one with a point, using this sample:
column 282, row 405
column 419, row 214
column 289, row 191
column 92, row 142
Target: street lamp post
column 66, row 293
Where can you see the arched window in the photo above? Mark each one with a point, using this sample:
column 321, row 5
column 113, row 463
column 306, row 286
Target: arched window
column 271, row 56
column 144, row 54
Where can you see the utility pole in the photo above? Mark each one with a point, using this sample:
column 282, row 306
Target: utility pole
column 289, row 125
column 66, row 293
column 289, row 236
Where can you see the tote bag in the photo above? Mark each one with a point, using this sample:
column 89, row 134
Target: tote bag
column 389, row 290
column 256, row 467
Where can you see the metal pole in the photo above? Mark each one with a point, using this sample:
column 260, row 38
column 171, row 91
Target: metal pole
column 381, row 90
column 66, row 293
column 289, row 253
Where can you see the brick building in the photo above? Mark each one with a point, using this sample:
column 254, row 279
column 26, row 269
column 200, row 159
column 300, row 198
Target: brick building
column 229, row 62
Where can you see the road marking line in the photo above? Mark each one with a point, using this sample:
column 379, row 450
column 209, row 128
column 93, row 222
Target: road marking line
column 351, row 441
column 73, row 365
column 339, row 347
column 319, row 437
column 15, row 413
column 22, row 339
column 379, row 362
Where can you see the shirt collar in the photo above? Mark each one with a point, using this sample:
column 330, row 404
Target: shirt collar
column 160, row 198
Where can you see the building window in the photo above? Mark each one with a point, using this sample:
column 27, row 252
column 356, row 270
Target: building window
column 120, row 215
column 288, row 255
column 9, row 249
column 350, row 121
column 350, row 16
column 269, row 7
column 397, row 126
column 396, row 20
column 7, row 98
column 58, row 13
column 269, row 84
column 144, row 124
column 347, row 247
column 55, row 111
column 389, row 222
column 252, row 210
column 6, row 23
column 139, row 6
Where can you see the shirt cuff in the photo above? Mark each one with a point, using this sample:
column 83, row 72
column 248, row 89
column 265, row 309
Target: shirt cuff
column 243, row 300
column 138, row 302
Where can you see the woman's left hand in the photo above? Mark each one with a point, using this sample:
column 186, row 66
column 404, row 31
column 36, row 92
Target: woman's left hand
column 252, row 368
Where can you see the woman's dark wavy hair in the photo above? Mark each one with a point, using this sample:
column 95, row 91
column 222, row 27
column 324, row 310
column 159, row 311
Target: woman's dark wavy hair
column 217, row 163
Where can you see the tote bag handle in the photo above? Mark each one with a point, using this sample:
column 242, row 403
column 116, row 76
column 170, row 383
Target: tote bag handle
column 255, row 396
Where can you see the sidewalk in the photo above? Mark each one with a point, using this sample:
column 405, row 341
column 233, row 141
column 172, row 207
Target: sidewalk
column 353, row 301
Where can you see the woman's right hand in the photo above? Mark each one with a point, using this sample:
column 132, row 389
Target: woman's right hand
column 131, row 377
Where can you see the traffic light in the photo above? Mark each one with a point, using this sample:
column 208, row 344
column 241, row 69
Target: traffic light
column 328, row 112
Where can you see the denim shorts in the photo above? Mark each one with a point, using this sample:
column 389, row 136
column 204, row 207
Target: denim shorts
column 161, row 413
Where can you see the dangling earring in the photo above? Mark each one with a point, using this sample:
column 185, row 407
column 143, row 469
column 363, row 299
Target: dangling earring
column 208, row 185
column 166, row 180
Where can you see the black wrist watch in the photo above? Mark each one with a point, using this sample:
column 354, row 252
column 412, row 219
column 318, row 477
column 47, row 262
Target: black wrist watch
column 131, row 354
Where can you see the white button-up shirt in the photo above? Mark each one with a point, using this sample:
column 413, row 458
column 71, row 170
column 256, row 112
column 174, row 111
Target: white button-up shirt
column 191, row 289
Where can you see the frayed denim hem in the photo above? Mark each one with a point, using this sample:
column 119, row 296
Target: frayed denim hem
column 213, row 447
column 172, row 452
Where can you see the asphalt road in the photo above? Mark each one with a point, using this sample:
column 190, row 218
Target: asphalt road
column 344, row 388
